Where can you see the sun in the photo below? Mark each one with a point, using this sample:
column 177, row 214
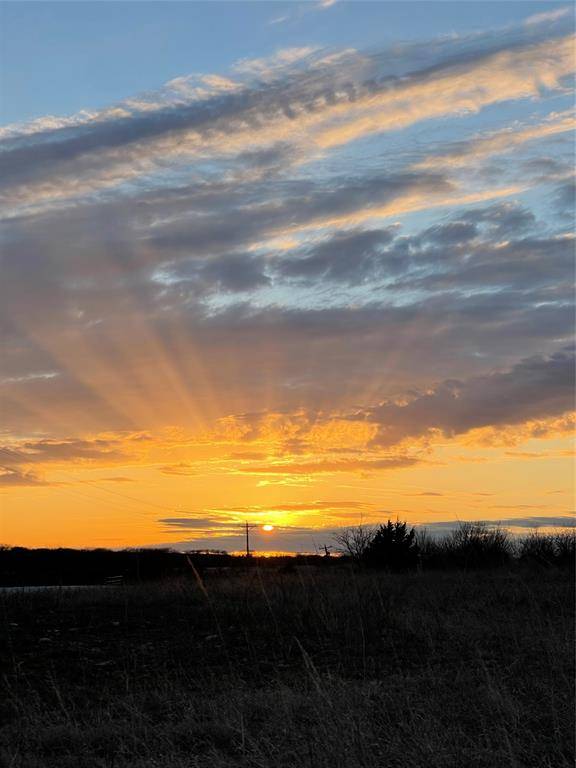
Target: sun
column 267, row 527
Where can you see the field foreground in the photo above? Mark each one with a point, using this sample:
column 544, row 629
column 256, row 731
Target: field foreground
column 319, row 667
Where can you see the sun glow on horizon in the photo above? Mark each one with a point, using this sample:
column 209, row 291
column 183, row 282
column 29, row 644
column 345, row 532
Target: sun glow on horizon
column 321, row 287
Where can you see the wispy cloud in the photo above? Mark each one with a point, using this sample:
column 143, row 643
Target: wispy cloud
column 549, row 16
column 242, row 286
column 503, row 141
column 310, row 99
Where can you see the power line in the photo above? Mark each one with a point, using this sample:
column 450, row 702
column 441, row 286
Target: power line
column 18, row 456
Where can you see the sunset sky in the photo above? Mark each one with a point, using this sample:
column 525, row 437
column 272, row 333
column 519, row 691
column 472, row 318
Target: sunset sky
column 305, row 264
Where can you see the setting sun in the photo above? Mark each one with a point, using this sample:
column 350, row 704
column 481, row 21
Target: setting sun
column 284, row 286
column 302, row 261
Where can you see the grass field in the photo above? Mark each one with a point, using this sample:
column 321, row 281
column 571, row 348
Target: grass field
column 318, row 667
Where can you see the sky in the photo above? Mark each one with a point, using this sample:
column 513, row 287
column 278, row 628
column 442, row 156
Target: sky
column 303, row 264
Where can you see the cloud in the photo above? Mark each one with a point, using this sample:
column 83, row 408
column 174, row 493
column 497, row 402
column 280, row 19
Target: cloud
column 182, row 468
column 203, row 523
column 17, row 458
column 549, row 16
column 311, row 100
column 332, row 466
column 534, row 388
column 279, row 19
column 517, row 434
column 11, row 477
column 309, row 265
column 272, row 66
column 542, row 521
column 522, row 264
column 565, row 198
column 33, row 376
column 177, row 354
column 347, row 257
column 230, row 519
column 306, row 506
column 47, row 450
column 467, row 251
column 230, row 273
column 539, row 455
column 247, row 455
column 462, row 154
column 304, row 205
column 447, row 91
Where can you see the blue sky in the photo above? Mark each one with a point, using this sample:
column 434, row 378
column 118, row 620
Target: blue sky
column 63, row 57
column 296, row 261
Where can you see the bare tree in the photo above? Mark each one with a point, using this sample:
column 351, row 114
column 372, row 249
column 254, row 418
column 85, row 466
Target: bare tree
column 354, row 541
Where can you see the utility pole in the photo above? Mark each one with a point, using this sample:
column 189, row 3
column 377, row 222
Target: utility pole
column 248, row 527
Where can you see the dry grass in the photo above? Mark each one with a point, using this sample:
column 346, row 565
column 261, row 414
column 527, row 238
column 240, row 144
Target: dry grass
column 315, row 668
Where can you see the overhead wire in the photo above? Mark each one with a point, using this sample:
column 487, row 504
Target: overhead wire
column 14, row 455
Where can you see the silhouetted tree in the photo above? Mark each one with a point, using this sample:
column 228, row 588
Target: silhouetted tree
column 353, row 542
column 393, row 547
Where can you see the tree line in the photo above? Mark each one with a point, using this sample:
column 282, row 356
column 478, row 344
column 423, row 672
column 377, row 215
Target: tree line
column 392, row 546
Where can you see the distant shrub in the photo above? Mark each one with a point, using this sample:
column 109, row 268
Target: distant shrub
column 565, row 542
column 477, row 545
column 430, row 549
column 353, row 542
column 556, row 549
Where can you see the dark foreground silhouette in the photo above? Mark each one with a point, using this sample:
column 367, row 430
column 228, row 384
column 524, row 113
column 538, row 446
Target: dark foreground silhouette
column 308, row 667
column 391, row 547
